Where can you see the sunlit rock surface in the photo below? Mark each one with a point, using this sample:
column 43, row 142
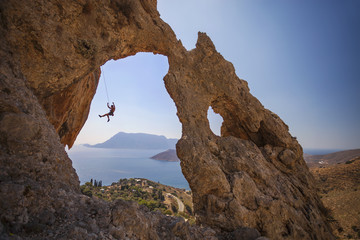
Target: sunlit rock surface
column 251, row 181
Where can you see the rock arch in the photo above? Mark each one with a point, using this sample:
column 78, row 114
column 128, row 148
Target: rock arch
column 254, row 176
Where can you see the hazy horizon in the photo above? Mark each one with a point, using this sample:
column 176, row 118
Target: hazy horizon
column 311, row 151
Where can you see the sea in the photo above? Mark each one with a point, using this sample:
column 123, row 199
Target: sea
column 110, row 165
column 317, row 151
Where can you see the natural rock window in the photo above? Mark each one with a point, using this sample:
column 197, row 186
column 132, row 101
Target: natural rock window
column 215, row 121
column 135, row 84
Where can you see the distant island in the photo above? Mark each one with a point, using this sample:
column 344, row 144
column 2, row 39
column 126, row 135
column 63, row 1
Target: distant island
column 168, row 155
column 124, row 140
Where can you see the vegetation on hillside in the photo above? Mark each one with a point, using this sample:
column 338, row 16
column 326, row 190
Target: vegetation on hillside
column 155, row 196
column 339, row 188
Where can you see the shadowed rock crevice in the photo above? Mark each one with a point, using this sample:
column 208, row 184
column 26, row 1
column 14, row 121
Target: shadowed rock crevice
column 253, row 177
column 232, row 125
column 61, row 106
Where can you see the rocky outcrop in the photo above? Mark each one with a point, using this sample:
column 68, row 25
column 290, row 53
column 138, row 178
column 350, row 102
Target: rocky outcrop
column 252, row 177
column 61, row 106
column 59, row 44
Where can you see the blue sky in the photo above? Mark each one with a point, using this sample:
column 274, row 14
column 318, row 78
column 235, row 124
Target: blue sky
column 300, row 58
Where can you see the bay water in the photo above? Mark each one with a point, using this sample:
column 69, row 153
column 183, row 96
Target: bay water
column 109, row 165
column 319, row 151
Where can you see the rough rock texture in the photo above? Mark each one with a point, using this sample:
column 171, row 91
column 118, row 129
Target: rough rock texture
column 252, row 177
column 60, row 107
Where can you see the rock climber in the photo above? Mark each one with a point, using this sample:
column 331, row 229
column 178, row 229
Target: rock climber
column 111, row 113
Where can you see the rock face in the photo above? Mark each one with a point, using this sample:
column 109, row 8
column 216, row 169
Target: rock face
column 61, row 106
column 253, row 176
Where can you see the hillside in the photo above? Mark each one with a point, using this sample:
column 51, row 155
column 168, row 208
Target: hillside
column 331, row 158
column 136, row 141
column 168, row 155
column 339, row 187
column 155, row 196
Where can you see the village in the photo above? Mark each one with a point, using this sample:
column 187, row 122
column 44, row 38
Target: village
column 155, row 196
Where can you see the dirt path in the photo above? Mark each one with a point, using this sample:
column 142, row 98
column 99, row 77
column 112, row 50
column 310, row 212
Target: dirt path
column 180, row 203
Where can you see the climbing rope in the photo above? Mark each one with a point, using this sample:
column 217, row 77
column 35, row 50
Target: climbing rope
column 107, row 94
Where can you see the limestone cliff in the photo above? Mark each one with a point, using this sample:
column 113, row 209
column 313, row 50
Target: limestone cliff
column 252, row 177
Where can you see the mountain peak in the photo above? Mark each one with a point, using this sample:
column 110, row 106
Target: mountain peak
column 137, row 141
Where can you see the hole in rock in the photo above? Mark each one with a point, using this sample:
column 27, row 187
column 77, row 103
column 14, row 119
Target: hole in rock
column 144, row 124
column 215, row 121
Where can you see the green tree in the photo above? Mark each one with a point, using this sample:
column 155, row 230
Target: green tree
column 188, row 209
column 167, row 212
column 173, row 208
